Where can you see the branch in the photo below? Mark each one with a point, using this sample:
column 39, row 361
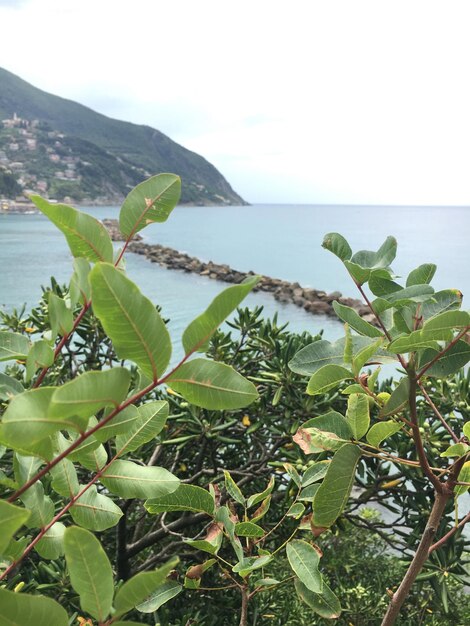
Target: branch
column 448, row 535
column 437, row 412
column 457, row 338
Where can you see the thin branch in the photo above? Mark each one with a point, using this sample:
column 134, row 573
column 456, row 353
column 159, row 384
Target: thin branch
column 451, row 532
column 437, row 412
column 452, row 343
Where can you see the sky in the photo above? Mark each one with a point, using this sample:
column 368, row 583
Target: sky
column 307, row 101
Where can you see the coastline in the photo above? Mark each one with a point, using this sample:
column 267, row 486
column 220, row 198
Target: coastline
column 311, row 300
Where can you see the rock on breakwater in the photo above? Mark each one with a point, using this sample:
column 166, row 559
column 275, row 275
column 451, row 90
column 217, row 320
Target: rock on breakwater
column 312, row 300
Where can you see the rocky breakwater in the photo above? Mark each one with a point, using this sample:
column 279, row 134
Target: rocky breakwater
column 312, row 300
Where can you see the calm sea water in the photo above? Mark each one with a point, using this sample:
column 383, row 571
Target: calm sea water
column 283, row 241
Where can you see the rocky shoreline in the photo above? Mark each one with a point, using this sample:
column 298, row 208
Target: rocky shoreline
column 311, row 300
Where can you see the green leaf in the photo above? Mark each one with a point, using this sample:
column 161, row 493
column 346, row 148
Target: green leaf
column 250, row 564
column 211, row 543
column 398, row 400
column 60, row 316
column 95, row 511
column 11, row 519
column 149, row 423
column 151, row 201
column 412, row 342
column 9, row 387
column 248, row 529
column 51, row 546
column 160, row 596
column 64, row 478
column 79, row 289
column 41, row 355
column 130, row 320
column 464, row 477
column 381, row 431
column 86, row 236
column 293, row 474
column 308, row 493
column 446, row 300
column 233, row 489
column 90, row 572
column 296, row 510
column 315, row 472
column 456, row 450
column 326, row 432
column 224, row 516
column 337, row 244
column 466, row 430
column 421, row 275
column 28, row 419
column 383, row 287
column 304, row 559
column 415, row 293
column 130, row 480
column 327, row 378
column 87, row 394
column 325, row 604
column 444, row 322
column 118, row 425
column 185, row 498
column 380, row 259
column 333, row 494
column 13, row 346
column 258, row 497
column 197, row 334
column 140, row 586
column 364, row 355
column 355, row 321
column 320, row 353
column 449, row 363
column 212, row 385
column 21, row 609
column 263, row 508
column 358, row 414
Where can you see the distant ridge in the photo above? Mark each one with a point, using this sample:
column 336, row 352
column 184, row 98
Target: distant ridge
column 72, row 151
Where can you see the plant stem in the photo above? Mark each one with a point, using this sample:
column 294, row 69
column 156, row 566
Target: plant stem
column 437, row 412
column 244, row 612
column 419, row 558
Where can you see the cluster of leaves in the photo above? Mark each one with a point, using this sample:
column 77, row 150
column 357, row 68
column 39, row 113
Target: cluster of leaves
column 92, row 425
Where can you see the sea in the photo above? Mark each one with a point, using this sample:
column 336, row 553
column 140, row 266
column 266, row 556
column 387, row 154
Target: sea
column 278, row 240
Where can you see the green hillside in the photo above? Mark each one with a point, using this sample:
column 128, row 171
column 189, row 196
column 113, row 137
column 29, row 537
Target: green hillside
column 109, row 156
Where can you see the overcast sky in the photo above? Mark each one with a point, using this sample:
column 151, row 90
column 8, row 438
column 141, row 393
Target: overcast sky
column 307, row 101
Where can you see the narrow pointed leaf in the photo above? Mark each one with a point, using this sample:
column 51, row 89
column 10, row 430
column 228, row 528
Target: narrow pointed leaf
column 22, row 609
column 185, row 498
column 334, row 491
column 86, row 236
column 130, row 480
column 197, row 334
column 139, row 587
column 212, row 385
column 90, row 572
column 13, row 346
column 258, row 497
column 304, row 560
column 79, row 289
column 151, row 201
column 130, row 320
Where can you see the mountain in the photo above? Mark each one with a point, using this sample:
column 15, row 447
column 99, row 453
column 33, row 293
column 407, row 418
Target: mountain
column 63, row 149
